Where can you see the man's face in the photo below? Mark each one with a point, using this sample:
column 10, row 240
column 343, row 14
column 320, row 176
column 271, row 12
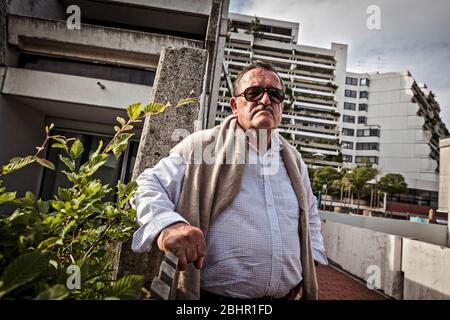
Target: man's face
column 263, row 113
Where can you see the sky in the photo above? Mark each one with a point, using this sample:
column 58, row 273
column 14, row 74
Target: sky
column 413, row 35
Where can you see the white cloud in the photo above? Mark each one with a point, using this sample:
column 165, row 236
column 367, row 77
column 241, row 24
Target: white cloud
column 414, row 35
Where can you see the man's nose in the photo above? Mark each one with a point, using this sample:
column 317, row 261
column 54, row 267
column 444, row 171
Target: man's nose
column 265, row 98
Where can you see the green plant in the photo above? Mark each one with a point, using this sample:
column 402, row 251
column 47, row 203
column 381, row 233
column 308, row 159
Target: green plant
column 43, row 243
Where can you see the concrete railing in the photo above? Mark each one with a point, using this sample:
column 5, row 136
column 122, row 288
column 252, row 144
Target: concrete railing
column 406, row 268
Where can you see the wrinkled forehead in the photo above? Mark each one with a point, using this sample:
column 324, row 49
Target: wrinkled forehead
column 260, row 77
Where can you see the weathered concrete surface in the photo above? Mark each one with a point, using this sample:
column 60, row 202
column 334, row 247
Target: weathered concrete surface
column 427, row 271
column 179, row 75
column 67, row 88
column 112, row 45
column 431, row 233
column 364, row 252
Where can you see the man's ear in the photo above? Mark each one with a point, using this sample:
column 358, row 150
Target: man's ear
column 233, row 105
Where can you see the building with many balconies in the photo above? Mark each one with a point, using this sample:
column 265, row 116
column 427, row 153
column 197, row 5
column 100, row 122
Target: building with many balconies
column 314, row 79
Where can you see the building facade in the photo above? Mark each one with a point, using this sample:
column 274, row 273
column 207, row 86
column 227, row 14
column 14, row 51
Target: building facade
column 314, row 79
column 82, row 77
column 393, row 122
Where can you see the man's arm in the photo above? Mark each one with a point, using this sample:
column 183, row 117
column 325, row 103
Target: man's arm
column 158, row 193
column 314, row 220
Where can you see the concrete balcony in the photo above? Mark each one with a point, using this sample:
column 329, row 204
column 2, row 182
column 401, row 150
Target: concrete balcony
column 94, row 43
column 73, row 97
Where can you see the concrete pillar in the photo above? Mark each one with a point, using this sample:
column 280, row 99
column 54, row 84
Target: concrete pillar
column 444, row 181
column 179, row 75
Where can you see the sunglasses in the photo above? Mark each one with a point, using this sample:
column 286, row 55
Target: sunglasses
column 253, row 94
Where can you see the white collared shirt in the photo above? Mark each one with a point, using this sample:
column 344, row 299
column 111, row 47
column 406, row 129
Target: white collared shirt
column 253, row 247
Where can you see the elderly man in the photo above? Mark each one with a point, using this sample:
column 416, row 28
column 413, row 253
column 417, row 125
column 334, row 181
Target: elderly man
column 242, row 229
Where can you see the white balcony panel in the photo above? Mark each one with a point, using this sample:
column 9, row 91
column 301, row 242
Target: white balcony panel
column 73, row 89
column 316, row 150
column 309, row 134
column 324, row 121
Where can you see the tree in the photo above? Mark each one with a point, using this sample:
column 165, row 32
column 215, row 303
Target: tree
column 392, row 184
column 325, row 176
column 357, row 178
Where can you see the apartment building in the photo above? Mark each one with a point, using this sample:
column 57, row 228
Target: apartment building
column 314, row 79
column 82, row 78
column 393, row 122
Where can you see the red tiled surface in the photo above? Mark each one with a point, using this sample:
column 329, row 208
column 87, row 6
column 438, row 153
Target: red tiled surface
column 336, row 285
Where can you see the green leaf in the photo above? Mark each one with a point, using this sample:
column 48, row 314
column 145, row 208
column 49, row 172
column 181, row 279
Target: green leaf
column 121, row 120
column 126, row 192
column 119, row 144
column 186, row 101
column 76, row 150
column 69, row 163
column 59, row 146
column 64, row 194
column 7, row 197
column 134, row 110
column 126, row 287
column 57, row 292
column 97, row 152
column 50, row 243
column 154, row 108
column 42, row 206
column 22, row 270
column 17, row 163
column 45, row 163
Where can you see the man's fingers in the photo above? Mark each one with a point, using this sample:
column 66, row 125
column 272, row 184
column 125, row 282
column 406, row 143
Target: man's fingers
column 199, row 263
column 191, row 254
column 182, row 261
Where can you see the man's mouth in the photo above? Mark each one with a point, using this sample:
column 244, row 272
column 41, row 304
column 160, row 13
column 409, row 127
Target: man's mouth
column 263, row 109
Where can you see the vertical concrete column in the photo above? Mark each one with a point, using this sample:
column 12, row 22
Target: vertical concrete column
column 179, row 75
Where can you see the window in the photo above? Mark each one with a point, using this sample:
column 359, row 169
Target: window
column 362, row 120
column 349, row 119
column 348, row 132
column 364, row 82
column 350, row 93
column 373, row 160
column 347, row 158
column 347, row 145
column 364, row 94
column 351, row 81
column 363, row 107
column 368, row 146
column 368, row 133
column 349, row 106
column 114, row 170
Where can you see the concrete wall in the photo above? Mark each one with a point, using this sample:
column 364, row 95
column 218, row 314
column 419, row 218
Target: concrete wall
column 357, row 250
column 426, row 270
column 24, row 126
column 431, row 233
column 409, row 268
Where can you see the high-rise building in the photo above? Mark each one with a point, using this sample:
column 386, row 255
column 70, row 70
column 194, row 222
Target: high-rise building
column 314, row 79
column 393, row 122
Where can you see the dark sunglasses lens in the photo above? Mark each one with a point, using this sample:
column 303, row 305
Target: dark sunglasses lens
column 276, row 95
column 253, row 93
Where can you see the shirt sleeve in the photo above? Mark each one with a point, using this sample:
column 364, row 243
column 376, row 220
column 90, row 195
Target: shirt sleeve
column 318, row 248
column 155, row 200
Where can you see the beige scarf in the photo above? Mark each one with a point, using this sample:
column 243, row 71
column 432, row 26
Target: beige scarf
column 209, row 187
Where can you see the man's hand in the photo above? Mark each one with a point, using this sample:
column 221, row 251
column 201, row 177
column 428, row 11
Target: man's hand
column 186, row 242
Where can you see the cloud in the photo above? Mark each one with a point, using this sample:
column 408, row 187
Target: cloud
column 413, row 36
